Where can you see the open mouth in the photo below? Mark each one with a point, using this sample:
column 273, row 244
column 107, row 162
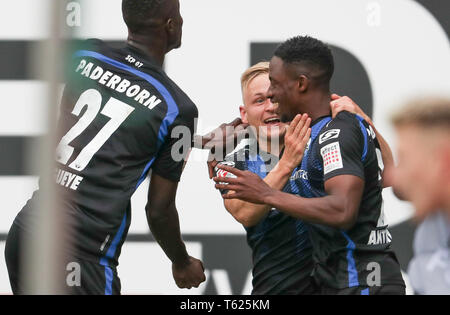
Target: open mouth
column 272, row 121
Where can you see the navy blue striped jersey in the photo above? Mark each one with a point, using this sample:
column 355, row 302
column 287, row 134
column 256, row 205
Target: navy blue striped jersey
column 116, row 120
column 281, row 250
column 360, row 256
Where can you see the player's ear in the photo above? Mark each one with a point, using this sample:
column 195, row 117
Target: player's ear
column 303, row 83
column 243, row 112
column 170, row 27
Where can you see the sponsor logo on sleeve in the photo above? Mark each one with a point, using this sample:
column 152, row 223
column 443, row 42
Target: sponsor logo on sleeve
column 330, row 134
column 332, row 158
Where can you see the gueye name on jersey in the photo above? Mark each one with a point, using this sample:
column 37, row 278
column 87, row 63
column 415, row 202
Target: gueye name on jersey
column 117, row 83
column 67, row 179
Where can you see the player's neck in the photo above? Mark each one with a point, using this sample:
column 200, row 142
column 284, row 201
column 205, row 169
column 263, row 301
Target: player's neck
column 154, row 48
column 318, row 105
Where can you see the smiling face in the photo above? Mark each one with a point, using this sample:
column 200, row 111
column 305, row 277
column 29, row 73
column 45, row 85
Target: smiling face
column 259, row 111
column 283, row 89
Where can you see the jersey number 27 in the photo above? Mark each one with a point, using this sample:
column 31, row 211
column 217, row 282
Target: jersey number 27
column 117, row 110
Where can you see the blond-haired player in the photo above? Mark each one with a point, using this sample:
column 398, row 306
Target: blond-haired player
column 280, row 244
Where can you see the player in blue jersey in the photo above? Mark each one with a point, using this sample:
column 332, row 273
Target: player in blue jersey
column 281, row 250
column 118, row 110
column 280, row 246
column 337, row 186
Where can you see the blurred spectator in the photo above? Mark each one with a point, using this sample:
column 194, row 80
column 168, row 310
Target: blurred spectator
column 423, row 172
column 423, row 177
column 429, row 270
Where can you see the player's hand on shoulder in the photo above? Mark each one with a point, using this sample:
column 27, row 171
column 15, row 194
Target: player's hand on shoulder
column 295, row 141
column 188, row 274
column 345, row 103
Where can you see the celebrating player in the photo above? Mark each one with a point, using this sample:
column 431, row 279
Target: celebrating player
column 280, row 245
column 337, row 186
column 117, row 113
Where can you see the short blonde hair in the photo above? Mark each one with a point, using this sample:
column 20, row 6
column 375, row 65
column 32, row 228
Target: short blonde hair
column 253, row 72
column 424, row 113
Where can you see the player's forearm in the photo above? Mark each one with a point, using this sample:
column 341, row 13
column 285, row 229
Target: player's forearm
column 329, row 210
column 249, row 214
column 165, row 228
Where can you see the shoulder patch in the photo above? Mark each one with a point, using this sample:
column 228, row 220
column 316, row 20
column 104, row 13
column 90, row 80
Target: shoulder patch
column 332, row 158
column 328, row 135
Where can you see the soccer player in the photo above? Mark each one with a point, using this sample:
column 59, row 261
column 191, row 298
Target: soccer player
column 280, row 245
column 117, row 113
column 337, row 186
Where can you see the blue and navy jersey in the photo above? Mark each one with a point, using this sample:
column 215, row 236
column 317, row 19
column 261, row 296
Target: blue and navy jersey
column 281, row 250
column 347, row 145
column 116, row 120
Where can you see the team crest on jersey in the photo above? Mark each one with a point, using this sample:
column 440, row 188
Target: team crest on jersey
column 330, row 134
column 332, row 158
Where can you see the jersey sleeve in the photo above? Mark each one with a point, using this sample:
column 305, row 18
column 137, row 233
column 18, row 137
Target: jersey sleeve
column 341, row 147
column 174, row 153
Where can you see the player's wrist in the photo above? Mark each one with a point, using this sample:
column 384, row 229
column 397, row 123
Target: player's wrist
column 270, row 197
column 181, row 261
column 285, row 167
